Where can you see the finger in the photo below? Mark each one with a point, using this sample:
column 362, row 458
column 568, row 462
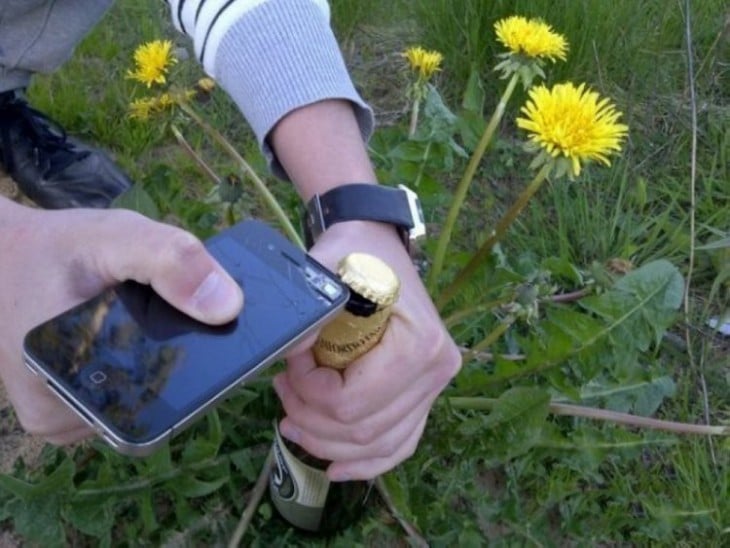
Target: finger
column 302, row 417
column 174, row 262
column 47, row 417
column 387, row 373
column 70, row 436
column 366, row 469
column 303, row 373
column 385, row 445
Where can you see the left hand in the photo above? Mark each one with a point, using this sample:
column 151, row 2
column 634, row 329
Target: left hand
column 369, row 418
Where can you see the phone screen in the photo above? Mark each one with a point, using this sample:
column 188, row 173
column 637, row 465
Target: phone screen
column 140, row 367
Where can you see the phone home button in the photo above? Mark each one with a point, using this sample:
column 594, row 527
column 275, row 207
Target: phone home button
column 97, row 377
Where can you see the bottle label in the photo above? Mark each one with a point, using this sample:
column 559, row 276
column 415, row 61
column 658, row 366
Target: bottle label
column 298, row 491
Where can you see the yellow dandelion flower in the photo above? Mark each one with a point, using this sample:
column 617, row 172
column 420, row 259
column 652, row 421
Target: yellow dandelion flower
column 531, row 37
column 152, row 61
column 424, row 62
column 574, row 123
column 141, row 109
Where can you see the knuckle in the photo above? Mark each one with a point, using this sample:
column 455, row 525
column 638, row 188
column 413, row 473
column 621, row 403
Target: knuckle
column 363, row 435
column 444, row 357
column 389, row 447
column 183, row 246
column 346, row 412
column 410, row 450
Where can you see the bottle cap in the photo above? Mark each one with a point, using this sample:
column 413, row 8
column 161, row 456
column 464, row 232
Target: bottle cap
column 370, row 277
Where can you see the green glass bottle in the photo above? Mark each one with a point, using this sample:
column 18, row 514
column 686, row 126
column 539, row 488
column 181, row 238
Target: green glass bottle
column 298, row 485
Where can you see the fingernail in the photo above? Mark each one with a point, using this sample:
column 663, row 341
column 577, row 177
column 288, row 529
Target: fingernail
column 217, row 297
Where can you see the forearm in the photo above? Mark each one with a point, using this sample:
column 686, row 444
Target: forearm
column 320, row 147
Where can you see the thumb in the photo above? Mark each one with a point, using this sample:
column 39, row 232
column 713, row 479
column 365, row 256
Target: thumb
column 174, row 262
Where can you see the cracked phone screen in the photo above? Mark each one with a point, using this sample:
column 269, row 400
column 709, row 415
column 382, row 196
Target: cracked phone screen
column 141, row 366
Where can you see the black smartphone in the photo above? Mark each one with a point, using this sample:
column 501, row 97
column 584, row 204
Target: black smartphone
column 139, row 371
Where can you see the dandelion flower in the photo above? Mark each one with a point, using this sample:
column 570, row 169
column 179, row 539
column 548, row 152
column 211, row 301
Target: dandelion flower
column 531, row 37
column 423, row 62
column 573, row 123
column 141, row 109
column 152, row 61
column 145, row 107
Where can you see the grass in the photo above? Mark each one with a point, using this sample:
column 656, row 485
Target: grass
column 573, row 482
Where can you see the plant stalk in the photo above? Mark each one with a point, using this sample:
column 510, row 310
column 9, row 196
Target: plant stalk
column 202, row 164
column 268, row 197
column 626, row 419
column 256, row 495
column 495, row 334
column 499, row 231
column 415, row 110
column 463, row 185
column 414, row 537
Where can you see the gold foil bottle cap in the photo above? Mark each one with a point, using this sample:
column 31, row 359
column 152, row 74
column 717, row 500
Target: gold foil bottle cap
column 370, row 277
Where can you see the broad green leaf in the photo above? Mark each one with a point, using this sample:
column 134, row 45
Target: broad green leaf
column 199, row 449
column 93, row 518
column 137, row 199
column 244, row 464
column 563, row 268
column 191, row 487
column 160, row 462
column 38, row 521
column 514, row 425
column 473, row 99
column 520, row 406
column 641, row 398
column 146, row 506
column 58, row 481
column 411, row 151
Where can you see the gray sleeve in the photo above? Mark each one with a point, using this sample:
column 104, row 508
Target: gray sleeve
column 271, row 57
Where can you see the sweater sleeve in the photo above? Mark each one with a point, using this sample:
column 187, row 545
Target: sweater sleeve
column 271, row 57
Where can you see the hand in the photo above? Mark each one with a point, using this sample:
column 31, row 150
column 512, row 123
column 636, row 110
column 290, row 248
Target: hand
column 53, row 260
column 370, row 418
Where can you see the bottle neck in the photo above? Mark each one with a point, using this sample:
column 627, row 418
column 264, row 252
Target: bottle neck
column 357, row 305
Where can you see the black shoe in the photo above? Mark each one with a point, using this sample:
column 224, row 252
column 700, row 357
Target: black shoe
column 53, row 170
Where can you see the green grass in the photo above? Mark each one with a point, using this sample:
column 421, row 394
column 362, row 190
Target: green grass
column 557, row 482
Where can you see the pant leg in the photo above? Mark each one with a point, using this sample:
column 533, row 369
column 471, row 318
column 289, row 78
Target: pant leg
column 40, row 35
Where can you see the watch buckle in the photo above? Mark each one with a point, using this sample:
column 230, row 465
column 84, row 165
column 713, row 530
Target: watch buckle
column 418, row 230
column 315, row 219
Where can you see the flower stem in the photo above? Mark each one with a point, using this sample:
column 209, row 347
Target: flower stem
column 257, row 494
column 202, row 164
column 414, row 117
column 487, row 341
column 463, row 185
column 268, row 197
column 486, row 404
column 499, row 231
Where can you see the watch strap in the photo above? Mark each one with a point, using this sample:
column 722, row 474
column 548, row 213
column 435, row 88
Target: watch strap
column 358, row 201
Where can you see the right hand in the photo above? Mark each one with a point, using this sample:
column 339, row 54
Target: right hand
column 53, row 260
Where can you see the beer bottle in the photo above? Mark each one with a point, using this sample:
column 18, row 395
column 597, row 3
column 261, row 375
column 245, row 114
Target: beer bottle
column 298, row 485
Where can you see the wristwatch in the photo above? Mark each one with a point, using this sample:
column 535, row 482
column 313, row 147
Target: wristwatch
column 366, row 202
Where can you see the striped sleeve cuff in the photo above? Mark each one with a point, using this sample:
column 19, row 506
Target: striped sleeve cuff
column 271, row 57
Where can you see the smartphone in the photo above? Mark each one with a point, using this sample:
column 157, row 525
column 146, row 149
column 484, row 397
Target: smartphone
column 139, row 371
